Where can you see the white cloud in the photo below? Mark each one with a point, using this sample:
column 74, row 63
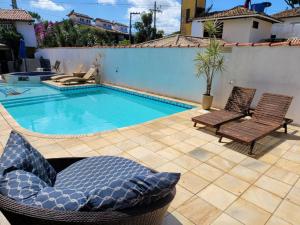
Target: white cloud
column 47, row 4
column 168, row 20
column 112, row 2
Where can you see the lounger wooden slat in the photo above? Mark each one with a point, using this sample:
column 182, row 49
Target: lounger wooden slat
column 237, row 106
column 268, row 117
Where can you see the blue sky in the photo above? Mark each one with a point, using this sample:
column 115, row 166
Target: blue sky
column 118, row 10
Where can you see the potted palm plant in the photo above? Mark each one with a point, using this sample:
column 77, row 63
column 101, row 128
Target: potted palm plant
column 210, row 62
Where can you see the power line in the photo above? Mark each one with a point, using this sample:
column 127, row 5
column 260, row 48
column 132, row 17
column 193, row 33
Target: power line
column 154, row 11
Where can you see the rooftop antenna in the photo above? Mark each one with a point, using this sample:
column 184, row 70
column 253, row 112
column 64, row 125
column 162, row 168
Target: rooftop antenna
column 14, row 4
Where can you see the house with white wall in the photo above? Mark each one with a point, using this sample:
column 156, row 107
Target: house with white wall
column 238, row 24
column 22, row 21
column 290, row 25
column 80, row 18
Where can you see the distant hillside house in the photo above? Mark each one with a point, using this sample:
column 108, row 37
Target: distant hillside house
column 237, row 25
column 290, row 26
column 80, row 18
column 22, row 21
column 107, row 25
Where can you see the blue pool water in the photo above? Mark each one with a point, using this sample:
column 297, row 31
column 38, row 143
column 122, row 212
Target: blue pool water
column 50, row 111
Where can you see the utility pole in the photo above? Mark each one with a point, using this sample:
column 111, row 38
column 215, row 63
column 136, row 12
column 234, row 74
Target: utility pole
column 130, row 26
column 154, row 11
column 14, row 4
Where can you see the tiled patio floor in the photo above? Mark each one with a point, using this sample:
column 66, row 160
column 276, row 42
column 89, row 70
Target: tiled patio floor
column 220, row 184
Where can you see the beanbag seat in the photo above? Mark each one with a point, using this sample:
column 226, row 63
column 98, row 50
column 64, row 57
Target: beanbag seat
column 92, row 184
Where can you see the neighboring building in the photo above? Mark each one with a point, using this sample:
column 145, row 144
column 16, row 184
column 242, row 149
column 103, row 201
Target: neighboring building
column 190, row 9
column 290, row 26
column 237, row 25
column 120, row 27
column 80, row 18
column 22, row 21
column 105, row 24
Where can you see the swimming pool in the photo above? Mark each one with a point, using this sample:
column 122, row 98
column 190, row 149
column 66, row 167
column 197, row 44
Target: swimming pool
column 85, row 111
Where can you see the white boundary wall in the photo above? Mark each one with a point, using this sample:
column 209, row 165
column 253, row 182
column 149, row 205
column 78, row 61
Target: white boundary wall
column 171, row 71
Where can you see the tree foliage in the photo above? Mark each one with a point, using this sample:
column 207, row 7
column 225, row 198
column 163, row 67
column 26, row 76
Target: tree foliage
column 68, row 34
column 293, row 3
column 35, row 16
column 11, row 38
column 145, row 31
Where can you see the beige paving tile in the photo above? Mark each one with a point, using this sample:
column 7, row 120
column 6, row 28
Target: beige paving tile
column 183, row 147
column 256, row 165
column 221, row 163
column 248, row 213
column 282, row 175
column 292, row 156
column 216, row 149
column 192, row 182
column 233, row 156
column 225, row 219
column 289, row 165
column 109, row 150
column 289, row 212
column 262, row 198
column 142, row 139
column 187, row 162
column 78, row 149
column 232, row 184
column 274, row 186
column 207, row 172
column 195, row 141
column 182, row 195
column 294, row 195
column 176, row 218
column 168, row 140
column 126, row 145
column 97, row 143
column 199, row 211
column 169, row 153
column 277, row 221
column 216, row 196
column 201, row 154
column 244, row 173
column 171, row 167
column 269, row 158
column 154, row 146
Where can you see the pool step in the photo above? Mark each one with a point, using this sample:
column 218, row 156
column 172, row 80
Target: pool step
column 33, row 100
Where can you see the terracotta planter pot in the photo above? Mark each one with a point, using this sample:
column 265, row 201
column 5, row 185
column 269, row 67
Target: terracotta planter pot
column 207, row 101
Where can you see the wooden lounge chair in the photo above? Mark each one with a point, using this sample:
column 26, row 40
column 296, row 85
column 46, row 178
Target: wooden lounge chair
column 58, row 77
column 56, row 66
column 238, row 106
column 268, row 117
column 87, row 77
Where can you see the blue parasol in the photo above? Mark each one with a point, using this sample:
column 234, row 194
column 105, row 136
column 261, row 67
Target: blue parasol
column 22, row 52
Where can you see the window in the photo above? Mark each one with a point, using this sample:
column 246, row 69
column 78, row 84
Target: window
column 255, row 25
column 187, row 15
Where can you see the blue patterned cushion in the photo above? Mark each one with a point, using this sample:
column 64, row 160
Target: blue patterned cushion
column 21, row 186
column 20, row 155
column 60, row 199
column 115, row 183
column 138, row 190
column 96, row 172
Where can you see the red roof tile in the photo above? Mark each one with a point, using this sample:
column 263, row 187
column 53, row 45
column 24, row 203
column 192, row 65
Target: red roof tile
column 288, row 13
column 238, row 12
column 15, row 15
